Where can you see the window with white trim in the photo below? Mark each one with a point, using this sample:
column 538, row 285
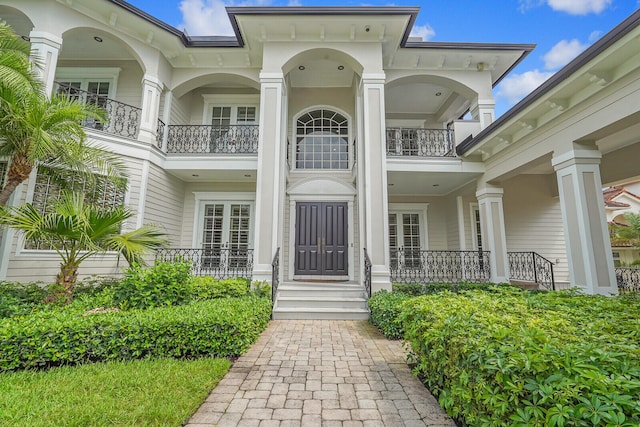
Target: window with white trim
column 476, row 227
column 226, row 233
column 407, row 235
column 49, row 186
column 322, row 140
column 4, row 167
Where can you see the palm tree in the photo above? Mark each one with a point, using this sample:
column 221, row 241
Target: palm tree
column 36, row 129
column 627, row 234
column 77, row 230
column 17, row 70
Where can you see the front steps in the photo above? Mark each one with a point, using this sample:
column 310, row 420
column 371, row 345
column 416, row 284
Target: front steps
column 320, row 300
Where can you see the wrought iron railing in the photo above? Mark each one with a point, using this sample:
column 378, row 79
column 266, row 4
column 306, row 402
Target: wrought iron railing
column 531, row 267
column 205, row 139
column 275, row 275
column 122, row 119
column 628, row 279
column 220, row 263
column 160, row 133
column 417, row 142
column 367, row 274
column 424, row 266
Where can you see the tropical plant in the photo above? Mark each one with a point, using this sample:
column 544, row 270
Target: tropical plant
column 627, row 234
column 37, row 129
column 77, row 230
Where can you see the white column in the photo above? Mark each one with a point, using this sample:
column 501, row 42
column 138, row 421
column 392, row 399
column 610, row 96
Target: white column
column 483, row 110
column 493, row 231
column 45, row 48
column 585, row 223
column 151, row 91
column 269, row 175
column 166, row 118
column 376, row 239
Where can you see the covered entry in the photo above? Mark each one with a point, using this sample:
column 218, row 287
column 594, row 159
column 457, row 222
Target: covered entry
column 321, row 239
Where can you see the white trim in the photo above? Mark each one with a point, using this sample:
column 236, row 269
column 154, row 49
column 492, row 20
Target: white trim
column 473, row 207
column 142, row 201
column 294, row 132
column 88, row 74
column 225, row 198
column 462, row 240
column 419, row 208
column 233, row 101
column 293, row 199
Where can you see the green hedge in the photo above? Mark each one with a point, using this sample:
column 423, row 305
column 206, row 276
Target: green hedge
column 514, row 358
column 223, row 328
column 385, row 312
column 207, row 287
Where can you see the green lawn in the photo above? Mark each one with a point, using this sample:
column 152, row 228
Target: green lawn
column 139, row 393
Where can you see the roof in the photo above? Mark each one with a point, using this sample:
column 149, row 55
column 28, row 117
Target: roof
column 609, row 194
column 581, row 60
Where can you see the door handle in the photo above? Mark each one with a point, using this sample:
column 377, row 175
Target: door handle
column 324, row 246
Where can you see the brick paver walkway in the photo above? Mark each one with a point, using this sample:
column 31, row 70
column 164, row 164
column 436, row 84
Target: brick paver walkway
column 320, row 373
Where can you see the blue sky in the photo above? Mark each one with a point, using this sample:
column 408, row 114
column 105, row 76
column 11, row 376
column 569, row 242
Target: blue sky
column 560, row 28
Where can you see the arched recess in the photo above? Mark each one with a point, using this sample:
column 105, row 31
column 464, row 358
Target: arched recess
column 326, row 54
column 17, row 20
column 187, row 83
column 431, row 99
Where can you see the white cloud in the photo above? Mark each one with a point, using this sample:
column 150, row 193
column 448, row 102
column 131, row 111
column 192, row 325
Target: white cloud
column 595, row 35
column 425, row 32
column 205, row 17
column 209, row 17
column 294, row 3
column 517, row 86
column 579, row 7
column 572, row 7
column 563, row 52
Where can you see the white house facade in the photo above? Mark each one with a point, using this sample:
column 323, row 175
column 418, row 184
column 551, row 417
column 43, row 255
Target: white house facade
column 326, row 148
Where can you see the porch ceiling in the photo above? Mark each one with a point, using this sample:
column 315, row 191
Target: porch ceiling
column 427, row 183
column 80, row 44
column 20, row 24
column 205, row 175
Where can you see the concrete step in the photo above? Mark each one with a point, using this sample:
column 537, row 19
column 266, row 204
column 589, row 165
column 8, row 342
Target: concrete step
column 320, row 300
column 529, row 286
column 320, row 314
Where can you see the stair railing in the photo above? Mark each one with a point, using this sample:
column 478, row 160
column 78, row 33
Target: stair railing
column 275, row 275
column 367, row 274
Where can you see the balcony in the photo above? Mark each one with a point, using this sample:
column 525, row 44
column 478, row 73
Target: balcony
column 418, row 142
column 122, row 119
column 205, row 139
column 218, row 262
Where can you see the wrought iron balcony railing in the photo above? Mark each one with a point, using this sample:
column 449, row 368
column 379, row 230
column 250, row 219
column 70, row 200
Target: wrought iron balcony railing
column 160, row 133
column 422, row 266
column 204, row 139
column 531, row 267
column 220, row 263
column 417, row 142
column 122, row 119
column 628, row 279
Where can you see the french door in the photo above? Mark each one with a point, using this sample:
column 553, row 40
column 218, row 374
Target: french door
column 226, row 236
column 321, row 241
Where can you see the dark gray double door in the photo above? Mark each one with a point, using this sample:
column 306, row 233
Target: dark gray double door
column 321, row 241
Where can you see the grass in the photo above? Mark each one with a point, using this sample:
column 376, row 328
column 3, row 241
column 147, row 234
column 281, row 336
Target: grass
column 163, row 392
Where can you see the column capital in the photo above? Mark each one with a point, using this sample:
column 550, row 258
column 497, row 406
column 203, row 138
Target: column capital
column 271, row 77
column 374, row 78
column 152, row 80
column 489, row 191
column 575, row 157
column 45, row 38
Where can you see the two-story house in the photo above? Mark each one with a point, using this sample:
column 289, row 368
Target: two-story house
column 328, row 143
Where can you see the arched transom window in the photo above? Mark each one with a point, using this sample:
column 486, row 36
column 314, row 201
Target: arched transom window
column 322, row 140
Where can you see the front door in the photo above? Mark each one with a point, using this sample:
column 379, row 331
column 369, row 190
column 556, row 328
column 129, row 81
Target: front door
column 321, row 239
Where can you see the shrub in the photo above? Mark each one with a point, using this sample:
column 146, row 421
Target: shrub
column 385, row 312
column 206, row 287
column 513, row 358
column 261, row 289
column 416, row 289
column 222, row 328
column 163, row 284
column 19, row 299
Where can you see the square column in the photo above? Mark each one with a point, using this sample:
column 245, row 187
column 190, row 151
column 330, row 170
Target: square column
column 493, row 232
column 270, row 174
column 376, row 238
column 585, row 223
column 151, row 91
column 483, row 110
column 45, row 48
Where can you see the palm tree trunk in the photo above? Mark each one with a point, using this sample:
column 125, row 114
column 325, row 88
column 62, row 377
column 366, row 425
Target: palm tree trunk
column 19, row 170
column 65, row 282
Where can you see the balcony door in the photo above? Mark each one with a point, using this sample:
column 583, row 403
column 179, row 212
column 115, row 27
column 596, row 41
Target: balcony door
column 225, row 236
column 321, row 239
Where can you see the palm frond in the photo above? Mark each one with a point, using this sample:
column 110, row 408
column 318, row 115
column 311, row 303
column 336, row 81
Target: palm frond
column 133, row 245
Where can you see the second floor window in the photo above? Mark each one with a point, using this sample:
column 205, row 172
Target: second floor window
column 322, row 140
